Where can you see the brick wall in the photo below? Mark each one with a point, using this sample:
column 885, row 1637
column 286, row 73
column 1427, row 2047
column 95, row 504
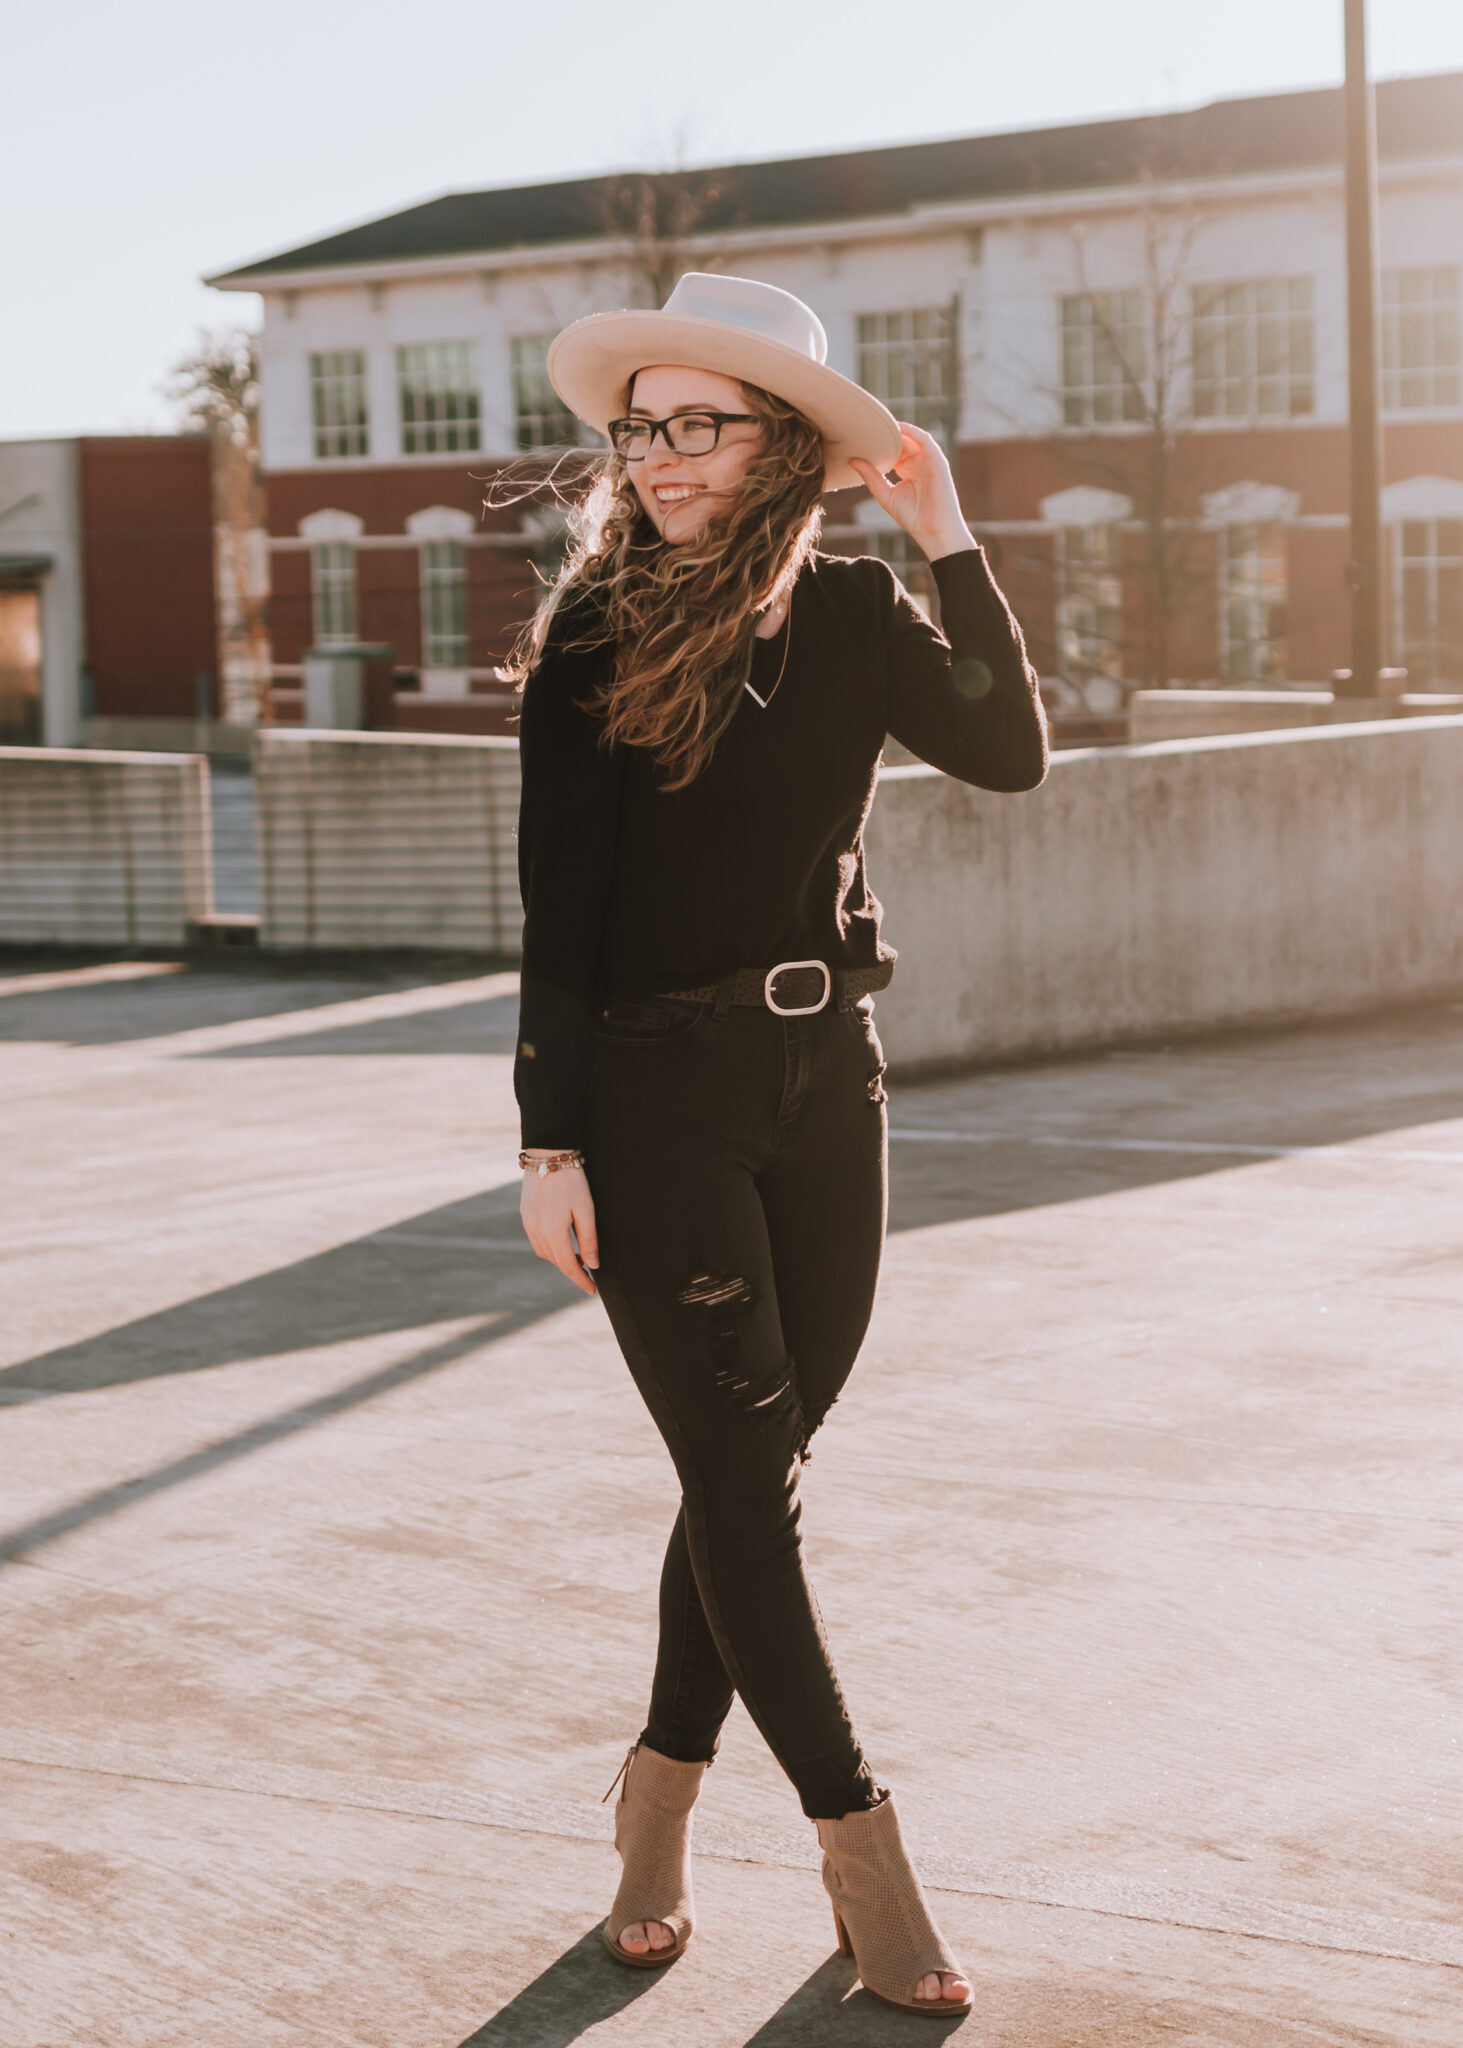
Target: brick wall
column 147, row 571
column 1001, row 482
column 500, row 584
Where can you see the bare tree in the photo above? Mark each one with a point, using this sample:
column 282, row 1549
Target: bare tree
column 654, row 215
column 1125, row 387
column 1154, row 374
column 215, row 390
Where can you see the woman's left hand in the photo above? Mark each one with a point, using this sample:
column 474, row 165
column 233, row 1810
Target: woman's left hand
column 922, row 499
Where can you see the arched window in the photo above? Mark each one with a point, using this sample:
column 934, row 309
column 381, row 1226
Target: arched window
column 1254, row 578
column 540, row 417
column 1425, row 517
column 443, row 532
column 1089, row 525
column 333, row 536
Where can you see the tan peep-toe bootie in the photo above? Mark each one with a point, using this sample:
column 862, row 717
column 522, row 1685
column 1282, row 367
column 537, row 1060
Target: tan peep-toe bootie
column 879, row 1910
column 653, row 1836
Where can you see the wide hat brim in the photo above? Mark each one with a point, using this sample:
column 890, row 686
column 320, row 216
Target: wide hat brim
column 591, row 364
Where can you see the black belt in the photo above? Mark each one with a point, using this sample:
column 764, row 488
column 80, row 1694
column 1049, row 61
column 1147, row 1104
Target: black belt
column 822, row 984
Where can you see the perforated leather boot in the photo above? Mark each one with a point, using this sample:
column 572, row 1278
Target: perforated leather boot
column 879, row 1910
column 653, row 1836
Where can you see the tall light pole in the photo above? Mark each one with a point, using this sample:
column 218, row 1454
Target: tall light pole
column 1364, row 571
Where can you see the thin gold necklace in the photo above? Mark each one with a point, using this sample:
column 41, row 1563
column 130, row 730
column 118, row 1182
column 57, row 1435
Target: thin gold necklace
column 763, row 702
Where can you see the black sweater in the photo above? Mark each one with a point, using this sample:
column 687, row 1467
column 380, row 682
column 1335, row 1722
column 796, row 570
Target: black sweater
column 630, row 891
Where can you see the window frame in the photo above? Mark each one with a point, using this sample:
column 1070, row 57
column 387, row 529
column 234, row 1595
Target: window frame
column 443, row 574
column 915, row 373
column 1243, row 345
column 536, row 405
column 340, row 405
column 334, row 590
column 439, row 397
column 1090, row 580
column 1249, row 589
column 1444, row 664
column 1096, row 333
column 1439, row 317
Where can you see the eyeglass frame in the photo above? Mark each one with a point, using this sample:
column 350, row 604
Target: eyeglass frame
column 663, row 427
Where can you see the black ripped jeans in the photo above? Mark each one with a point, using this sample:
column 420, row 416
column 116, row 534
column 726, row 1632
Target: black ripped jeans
column 737, row 1162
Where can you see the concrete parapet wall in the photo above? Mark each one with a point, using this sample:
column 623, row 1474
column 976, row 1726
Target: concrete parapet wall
column 102, row 849
column 1174, row 887
column 383, row 840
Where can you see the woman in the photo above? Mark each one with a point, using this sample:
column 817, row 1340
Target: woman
column 706, row 698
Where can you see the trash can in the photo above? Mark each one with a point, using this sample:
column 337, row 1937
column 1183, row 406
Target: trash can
column 348, row 687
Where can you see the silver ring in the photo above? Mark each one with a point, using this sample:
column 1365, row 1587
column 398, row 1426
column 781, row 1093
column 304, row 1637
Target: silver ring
column 786, row 967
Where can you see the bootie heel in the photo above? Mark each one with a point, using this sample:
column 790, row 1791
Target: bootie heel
column 653, row 1836
column 879, row 1911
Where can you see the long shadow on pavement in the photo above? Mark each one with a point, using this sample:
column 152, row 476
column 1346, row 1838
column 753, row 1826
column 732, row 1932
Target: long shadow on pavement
column 822, row 2014
column 435, row 1268
column 583, row 1988
column 478, row 1024
column 1148, row 1116
column 226, row 988
column 467, row 1258
column 1324, row 1083
column 577, row 1991
column 108, row 1500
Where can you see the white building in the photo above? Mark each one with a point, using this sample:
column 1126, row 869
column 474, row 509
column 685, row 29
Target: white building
column 1060, row 305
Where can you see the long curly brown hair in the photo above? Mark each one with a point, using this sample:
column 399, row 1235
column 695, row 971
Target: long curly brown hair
column 681, row 617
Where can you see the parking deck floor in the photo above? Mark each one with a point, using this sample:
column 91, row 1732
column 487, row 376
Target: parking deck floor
column 331, row 1525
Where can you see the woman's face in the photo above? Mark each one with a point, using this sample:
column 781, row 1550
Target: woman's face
column 680, row 492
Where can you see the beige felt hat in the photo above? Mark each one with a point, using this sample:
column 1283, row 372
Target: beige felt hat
column 744, row 329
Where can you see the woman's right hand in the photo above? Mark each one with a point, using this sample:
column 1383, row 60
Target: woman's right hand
column 558, row 1212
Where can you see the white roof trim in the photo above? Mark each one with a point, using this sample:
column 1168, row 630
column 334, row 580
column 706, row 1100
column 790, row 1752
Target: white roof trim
column 328, row 524
column 1250, row 504
column 1085, row 505
column 933, row 218
column 1423, row 497
column 441, row 522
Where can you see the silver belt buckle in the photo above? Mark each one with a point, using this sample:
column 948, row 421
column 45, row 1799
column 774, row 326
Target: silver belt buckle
column 786, row 967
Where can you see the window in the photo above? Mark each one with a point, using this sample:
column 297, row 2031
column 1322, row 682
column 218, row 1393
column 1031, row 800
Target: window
column 1254, row 350
column 334, row 584
column 1253, row 577
column 1104, row 358
column 440, row 405
column 540, row 417
column 1431, row 581
column 444, row 604
column 909, row 361
column 1420, row 337
column 1090, row 601
column 338, row 403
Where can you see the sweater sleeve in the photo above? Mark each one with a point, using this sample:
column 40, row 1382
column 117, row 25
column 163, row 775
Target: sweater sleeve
column 965, row 700
column 568, row 826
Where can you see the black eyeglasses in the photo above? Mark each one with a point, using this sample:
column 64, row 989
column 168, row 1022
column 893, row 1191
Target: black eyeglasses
column 686, row 433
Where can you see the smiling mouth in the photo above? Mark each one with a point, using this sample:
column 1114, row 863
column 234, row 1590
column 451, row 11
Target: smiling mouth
column 674, row 494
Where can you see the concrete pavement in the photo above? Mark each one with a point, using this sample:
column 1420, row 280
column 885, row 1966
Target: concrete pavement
column 331, row 1522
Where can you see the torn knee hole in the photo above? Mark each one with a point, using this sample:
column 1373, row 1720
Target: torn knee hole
column 771, row 1398
column 713, row 1290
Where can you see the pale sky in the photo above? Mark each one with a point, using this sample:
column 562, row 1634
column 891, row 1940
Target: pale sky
column 145, row 144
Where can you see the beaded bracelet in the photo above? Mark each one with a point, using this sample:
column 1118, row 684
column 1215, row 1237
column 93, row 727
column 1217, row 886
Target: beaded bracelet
column 553, row 1164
